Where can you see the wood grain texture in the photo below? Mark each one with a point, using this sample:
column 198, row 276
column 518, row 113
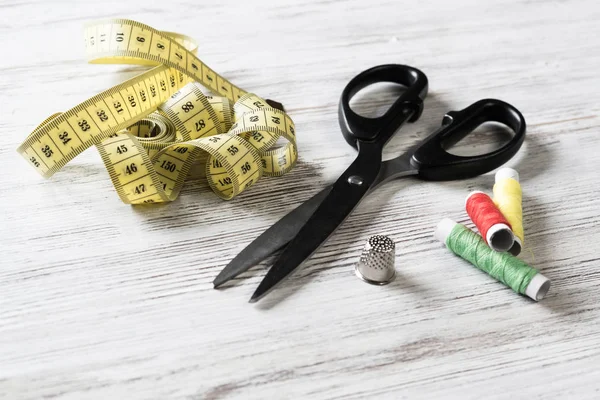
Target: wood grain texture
column 101, row 300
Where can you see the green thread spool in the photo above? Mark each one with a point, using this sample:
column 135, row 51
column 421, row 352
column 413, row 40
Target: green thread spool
column 506, row 268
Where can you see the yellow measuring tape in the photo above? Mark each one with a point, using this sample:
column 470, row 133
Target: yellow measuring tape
column 151, row 129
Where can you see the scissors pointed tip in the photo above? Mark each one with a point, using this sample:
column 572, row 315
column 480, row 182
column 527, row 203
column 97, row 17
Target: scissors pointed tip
column 219, row 280
column 256, row 297
column 233, row 269
column 260, row 292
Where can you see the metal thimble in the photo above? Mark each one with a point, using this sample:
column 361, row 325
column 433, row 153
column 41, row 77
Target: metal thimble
column 376, row 264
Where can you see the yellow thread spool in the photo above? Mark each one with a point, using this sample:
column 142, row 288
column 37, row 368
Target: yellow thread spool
column 508, row 198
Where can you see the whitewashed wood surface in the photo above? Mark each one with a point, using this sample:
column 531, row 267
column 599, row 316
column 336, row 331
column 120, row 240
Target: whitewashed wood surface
column 100, row 300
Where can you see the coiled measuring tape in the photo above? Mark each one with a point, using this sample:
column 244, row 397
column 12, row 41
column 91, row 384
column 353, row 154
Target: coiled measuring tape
column 151, row 129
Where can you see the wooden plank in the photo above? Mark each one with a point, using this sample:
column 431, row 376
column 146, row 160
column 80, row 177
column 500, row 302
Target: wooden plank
column 103, row 300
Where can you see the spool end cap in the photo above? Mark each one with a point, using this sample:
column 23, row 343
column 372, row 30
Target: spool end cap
column 500, row 237
column 474, row 192
column 507, row 173
column 443, row 229
column 538, row 287
column 516, row 248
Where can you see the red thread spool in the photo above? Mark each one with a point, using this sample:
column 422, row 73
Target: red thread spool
column 494, row 228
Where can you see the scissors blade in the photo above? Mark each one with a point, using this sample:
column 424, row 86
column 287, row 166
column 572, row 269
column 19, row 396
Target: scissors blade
column 333, row 210
column 271, row 240
column 284, row 230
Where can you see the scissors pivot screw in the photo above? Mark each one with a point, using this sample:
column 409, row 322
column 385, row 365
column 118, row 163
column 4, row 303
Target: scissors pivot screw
column 355, row 180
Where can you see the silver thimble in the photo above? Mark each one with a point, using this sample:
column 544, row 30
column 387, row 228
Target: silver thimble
column 376, row 264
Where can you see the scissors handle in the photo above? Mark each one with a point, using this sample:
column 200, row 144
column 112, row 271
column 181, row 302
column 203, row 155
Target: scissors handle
column 356, row 127
column 434, row 163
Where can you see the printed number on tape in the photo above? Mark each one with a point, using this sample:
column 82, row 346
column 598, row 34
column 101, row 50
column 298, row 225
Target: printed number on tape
column 151, row 129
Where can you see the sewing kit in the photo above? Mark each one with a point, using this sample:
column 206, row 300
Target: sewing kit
column 305, row 229
column 151, row 130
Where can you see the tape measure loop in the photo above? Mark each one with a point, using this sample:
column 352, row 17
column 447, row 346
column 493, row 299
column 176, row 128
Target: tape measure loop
column 151, row 129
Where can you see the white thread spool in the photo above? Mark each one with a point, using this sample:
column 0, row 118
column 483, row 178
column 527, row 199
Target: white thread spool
column 499, row 237
column 536, row 289
column 509, row 173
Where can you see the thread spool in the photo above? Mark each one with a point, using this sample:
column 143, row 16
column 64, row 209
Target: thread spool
column 490, row 222
column 505, row 267
column 508, row 198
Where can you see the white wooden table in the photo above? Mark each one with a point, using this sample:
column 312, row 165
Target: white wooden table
column 103, row 300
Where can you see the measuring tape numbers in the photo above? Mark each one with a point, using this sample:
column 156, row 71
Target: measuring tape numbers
column 151, row 129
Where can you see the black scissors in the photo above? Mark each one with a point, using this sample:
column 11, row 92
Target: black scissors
column 307, row 227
